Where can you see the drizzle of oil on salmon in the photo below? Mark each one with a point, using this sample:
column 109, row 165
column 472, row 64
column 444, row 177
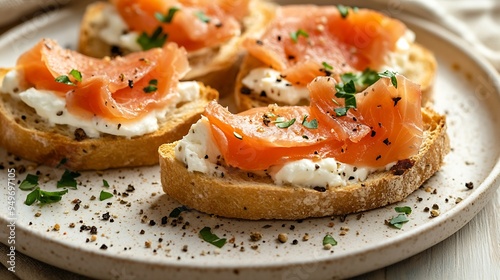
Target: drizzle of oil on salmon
column 360, row 40
column 385, row 127
column 222, row 19
column 110, row 88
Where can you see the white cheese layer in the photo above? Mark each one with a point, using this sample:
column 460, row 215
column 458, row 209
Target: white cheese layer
column 115, row 31
column 53, row 108
column 200, row 154
column 270, row 82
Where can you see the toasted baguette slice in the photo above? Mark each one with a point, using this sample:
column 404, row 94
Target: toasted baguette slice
column 421, row 69
column 29, row 136
column 216, row 67
column 236, row 195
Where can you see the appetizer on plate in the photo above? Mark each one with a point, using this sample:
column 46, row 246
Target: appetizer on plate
column 306, row 41
column 211, row 31
column 59, row 106
column 345, row 152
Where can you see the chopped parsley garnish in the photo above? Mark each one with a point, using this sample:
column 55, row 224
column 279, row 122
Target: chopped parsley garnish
column 312, row 124
column 329, row 240
column 343, row 10
column 353, row 83
column 68, row 179
column 64, row 79
column 237, row 135
column 177, row 211
column 207, row 235
column 201, row 16
column 29, row 183
column 151, row 87
column 401, row 218
column 391, row 75
column 295, row 35
column 167, row 18
column 44, row 197
column 156, row 40
column 105, row 195
column 281, row 122
column 327, row 66
column 105, row 183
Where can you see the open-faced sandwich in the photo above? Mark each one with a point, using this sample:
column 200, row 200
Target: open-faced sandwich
column 306, row 41
column 210, row 31
column 344, row 152
column 59, row 106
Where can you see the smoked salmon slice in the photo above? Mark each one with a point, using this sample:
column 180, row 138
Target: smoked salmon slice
column 386, row 126
column 193, row 24
column 123, row 88
column 306, row 41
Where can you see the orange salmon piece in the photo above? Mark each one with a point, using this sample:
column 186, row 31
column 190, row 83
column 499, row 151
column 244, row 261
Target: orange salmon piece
column 304, row 38
column 385, row 127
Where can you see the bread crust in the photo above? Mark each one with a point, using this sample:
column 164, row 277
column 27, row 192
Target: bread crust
column 22, row 134
column 216, row 67
column 238, row 196
column 421, row 69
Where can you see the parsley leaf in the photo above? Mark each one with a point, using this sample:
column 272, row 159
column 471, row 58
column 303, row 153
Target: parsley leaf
column 398, row 221
column 207, row 235
column 63, row 79
column 328, row 239
column 167, row 18
column 343, row 10
column 405, row 209
column 177, row 211
column 68, row 179
column 44, row 197
column 201, row 16
column 105, row 195
column 391, row 75
column 156, row 40
column 76, row 74
column 327, row 66
column 105, row 183
column 29, row 183
column 151, row 87
column 282, row 123
column 295, row 35
column 312, row 124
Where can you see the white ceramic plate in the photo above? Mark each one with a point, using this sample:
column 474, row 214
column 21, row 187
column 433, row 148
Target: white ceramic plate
column 466, row 90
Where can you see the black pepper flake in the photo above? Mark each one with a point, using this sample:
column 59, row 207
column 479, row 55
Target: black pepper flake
column 130, row 83
column 93, row 230
column 387, row 142
column 142, row 231
column 263, row 93
column 378, row 157
column 130, row 188
column 119, row 126
column 103, row 247
column 105, row 216
column 218, row 25
column 76, row 207
column 116, row 51
column 23, row 117
column 396, row 100
column 291, row 57
column 401, row 166
column 295, row 242
column 278, row 37
column 373, row 133
column 206, row 156
column 152, row 223
column 319, row 189
column 245, row 90
column 469, row 185
column 59, row 113
column 259, row 42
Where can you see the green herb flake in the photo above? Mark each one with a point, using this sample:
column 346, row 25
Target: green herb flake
column 201, row 16
column 343, row 10
column 68, row 179
column 398, row 221
column 391, row 75
column 105, row 183
column 76, row 74
column 105, row 195
column 29, row 183
column 156, row 40
column 63, row 79
column 207, row 235
column 168, row 17
column 405, row 209
column 295, row 35
column 340, row 112
column 329, row 240
column 327, row 66
column 312, row 124
column 151, row 87
column 44, row 197
column 283, row 123
column 177, row 211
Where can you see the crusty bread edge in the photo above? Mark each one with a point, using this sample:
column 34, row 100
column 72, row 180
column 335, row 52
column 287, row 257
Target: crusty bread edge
column 215, row 67
column 421, row 69
column 49, row 148
column 238, row 196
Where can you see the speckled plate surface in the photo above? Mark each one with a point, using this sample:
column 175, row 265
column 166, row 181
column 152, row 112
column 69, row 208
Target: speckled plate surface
column 134, row 237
